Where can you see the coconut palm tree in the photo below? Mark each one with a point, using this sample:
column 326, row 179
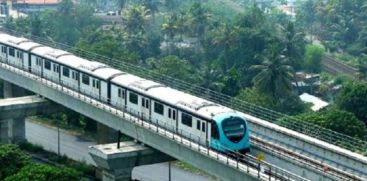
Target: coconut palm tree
column 135, row 18
column 275, row 75
column 170, row 28
column 362, row 68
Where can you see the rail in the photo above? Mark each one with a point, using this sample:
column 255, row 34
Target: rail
column 243, row 163
column 329, row 136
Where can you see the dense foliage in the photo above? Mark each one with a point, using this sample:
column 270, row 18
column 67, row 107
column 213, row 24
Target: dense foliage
column 44, row 173
column 353, row 98
column 341, row 24
column 16, row 165
column 12, row 159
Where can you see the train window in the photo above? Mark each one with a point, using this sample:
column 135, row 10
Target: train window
column 198, row 125
column 11, row 52
column 74, row 75
column 169, row 112
column 158, row 108
column 20, row 55
column 97, row 83
column 174, row 114
column 3, row 49
column 133, row 98
column 56, row 68
column 145, row 102
column 203, row 127
column 215, row 131
column 186, row 119
column 119, row 93
column 38, row 61
column 47, row 65
column 65, row 72
column 85, row 79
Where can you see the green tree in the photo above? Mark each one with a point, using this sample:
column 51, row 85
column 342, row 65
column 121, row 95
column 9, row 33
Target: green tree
column 175, row 67
column 353, row 98
column 294, row 43
column 275, row 75
column 313, row 58
column 44, row 173
column 337, row 120
column 135, row 18
column 12, row 159
column 362, row 68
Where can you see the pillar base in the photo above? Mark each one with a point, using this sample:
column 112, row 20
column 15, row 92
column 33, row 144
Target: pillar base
column 117, row 164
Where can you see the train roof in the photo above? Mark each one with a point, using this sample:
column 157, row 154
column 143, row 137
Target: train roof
column 186, row 101
column 42, row 51
column 27, row 46
column 107, row 72
column 71, row 61
column 12, row 41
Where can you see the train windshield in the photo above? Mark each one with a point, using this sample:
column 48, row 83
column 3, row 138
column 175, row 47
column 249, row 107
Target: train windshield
column 234, row 128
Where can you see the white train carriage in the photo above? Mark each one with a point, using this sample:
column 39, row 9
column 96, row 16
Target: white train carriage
column 90, row 82
column 27, row 47
column 128, row 91
column 4, row 38
column 11, row 51
column 192, row 115
column 105, row 74
column 42, row 64
column 70, row 70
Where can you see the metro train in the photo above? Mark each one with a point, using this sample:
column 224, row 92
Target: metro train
column 219, row 127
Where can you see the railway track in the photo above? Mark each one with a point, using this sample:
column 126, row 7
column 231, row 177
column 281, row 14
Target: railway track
column 304, row 160
column 334, row 67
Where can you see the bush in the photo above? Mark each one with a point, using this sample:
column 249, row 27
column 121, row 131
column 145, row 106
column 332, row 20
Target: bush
column 44, row 173
column 11, row 160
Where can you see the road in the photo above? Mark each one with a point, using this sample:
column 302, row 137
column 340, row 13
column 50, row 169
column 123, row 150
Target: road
column 76, row 147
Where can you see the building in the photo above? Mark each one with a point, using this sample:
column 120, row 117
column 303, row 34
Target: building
column 29, row 6
column 4, row 10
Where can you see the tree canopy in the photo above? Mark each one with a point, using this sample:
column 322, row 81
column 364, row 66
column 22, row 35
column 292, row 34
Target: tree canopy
column 353, row 98
column 12, row 159
column 38, row 172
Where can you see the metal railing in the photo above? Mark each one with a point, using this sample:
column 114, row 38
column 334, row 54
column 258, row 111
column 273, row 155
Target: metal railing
column 243, row 163
column 329, row 136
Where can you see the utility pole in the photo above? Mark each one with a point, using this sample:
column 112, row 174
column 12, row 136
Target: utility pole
column 58, row 139
column 169, row 171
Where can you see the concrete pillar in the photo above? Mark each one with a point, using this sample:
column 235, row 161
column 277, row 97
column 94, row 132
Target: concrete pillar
column 117, row 163
column 12, row 130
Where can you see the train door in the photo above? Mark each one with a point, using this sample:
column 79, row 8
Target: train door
column 121, row 98
column 201, row 129
column 3, row 54
column 172, row 123
column 145, row 108
column 19, row 59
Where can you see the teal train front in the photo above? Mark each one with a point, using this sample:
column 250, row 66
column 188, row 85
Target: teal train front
column 230, row 132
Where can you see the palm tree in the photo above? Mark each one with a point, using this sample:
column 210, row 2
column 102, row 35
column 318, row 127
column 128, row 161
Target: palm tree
column 226, row 36
column 170, row 28
column 362, row 68
column 210, row 77
column 135, row 18
column 151, row 6
column 275, row 75
column 294, row 45
column 199, row 17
